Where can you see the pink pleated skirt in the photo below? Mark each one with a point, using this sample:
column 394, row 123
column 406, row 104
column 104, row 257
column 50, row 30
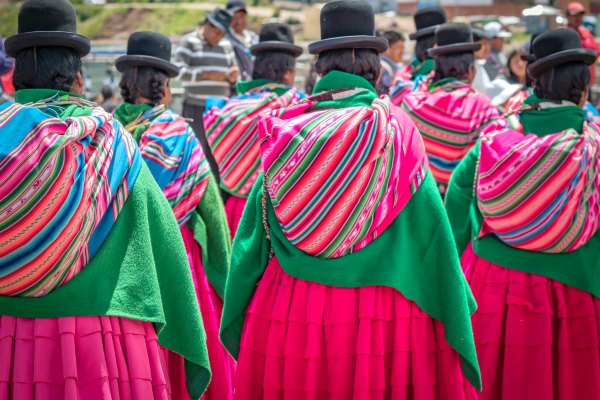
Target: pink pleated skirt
column 74, row 358
column 211, row 307
column 304, row 340
column 536, row 338
column 234, row 208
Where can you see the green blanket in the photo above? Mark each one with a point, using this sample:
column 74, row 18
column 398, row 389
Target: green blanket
column 424, row 267
column 141, row 272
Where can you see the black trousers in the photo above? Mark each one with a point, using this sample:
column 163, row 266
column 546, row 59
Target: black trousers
column 194, row 112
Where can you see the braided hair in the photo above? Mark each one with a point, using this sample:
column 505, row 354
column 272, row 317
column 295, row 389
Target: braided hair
column 361, row 62
column 563, row 82
column 147, row 82
column 453, row 66
column 46, row 68
column 422, row 46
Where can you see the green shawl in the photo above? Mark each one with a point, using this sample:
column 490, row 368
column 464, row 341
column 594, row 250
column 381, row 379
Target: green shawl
column 208, row 221
column 577, row 269
column 424, row 266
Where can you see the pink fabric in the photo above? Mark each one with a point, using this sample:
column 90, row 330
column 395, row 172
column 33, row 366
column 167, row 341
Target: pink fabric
column 73, row 358
column 234, row 208
column 304, row 340
column 211, row 307
column 536, row 338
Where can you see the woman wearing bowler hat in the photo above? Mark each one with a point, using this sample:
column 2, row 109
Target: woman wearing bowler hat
column 94, row 277
column 169, row 147
column 524, row 206
column 339, row 288
column 232, row 124
column 450, row 114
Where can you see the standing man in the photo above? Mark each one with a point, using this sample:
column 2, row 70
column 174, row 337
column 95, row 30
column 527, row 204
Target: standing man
column 391, row 60
column 241, row 38
column 496, row 64
column 575, row 13
column 208, row 69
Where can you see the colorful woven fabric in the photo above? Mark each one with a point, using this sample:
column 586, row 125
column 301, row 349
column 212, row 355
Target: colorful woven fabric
column 337, row 178
column 540, row 193
column 62, row 186
column 177, row 162
column 231, row 132
column 450, row 118
column 404, row 84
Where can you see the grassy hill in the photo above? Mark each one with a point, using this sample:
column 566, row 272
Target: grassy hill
column 115, row 21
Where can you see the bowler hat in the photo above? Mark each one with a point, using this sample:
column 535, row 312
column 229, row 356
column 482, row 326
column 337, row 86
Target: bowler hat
column 220, row 19
column 148, row 49
column 276, row 36
column 348, row 24
column 453, row 39
column 47, row 23
column 557, row 47
column 426, row 22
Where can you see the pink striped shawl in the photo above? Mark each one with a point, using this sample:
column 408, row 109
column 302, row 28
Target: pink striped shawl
column 232, row 134
column 540, row 193
column 450, row 118
column 338, row 177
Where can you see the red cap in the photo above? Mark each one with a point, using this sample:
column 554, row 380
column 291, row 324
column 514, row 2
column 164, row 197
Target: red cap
column 575, row 9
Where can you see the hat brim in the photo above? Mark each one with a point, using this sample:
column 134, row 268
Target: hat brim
column 562, row 57
column 454, row 48
column 216, row 23
column 503, row 35
column 379, row 44
column 272, row 45
column 14, row 44
column 574, row 13
column 126, row 61
column 421, row 33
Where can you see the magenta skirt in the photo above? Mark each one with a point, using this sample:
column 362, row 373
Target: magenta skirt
column 234, row 208
column 536, row 338
column 304, row 340
column 211, row 307
column 74, row 358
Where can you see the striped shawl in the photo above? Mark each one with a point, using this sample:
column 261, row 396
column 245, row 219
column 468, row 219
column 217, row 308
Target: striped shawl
column 450, row 118
column 338, row 177
column 232, row 135
column 62, row 186
column 540, row 193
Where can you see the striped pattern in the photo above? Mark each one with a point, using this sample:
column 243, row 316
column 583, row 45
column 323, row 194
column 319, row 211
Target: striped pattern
column 232, row 135
column 62, row 186
column 450, row 119
column 337, row 178
column 174, row 156
column 540, row 193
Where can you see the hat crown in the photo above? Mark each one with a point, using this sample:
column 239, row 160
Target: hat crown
column 347, row 18
column 430, row 17
column 276, row 32
column 452, row 33
column 150, row 44
column 47, row 15
column 221, row 16
column 552, row 42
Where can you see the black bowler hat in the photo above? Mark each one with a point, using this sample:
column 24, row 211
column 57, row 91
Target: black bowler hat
column 453, row 39
column 236, row 5
column 348, row 24
column 276, row 36
column 220, row 19
column 47, row 23
column 148, row 49
column 556, row 47
column 426, row 22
